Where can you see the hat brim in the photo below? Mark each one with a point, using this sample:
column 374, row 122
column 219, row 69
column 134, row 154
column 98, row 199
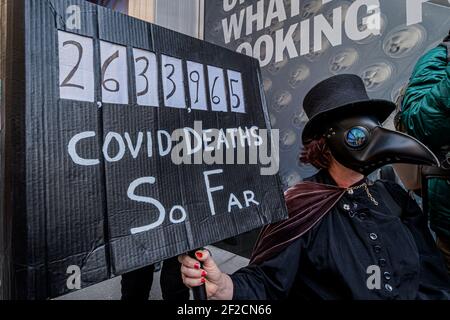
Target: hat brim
column 317, row 125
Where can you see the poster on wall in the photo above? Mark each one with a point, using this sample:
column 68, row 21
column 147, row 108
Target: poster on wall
column 300, row 43
column 130, row 148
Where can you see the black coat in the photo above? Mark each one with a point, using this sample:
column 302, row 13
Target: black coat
column 331, row 261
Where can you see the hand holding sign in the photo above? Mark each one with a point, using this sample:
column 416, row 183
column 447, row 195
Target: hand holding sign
column 218, row 285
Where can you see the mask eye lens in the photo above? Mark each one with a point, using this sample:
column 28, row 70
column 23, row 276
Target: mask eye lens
column 356, row 137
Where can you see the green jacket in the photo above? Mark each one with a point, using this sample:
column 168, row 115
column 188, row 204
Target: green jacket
column 426, row 116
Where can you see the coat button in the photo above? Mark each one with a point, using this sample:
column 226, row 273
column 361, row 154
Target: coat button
column 373, row 236
column 387, row 276
column 382, row 262
column 388, row 287
column 377, row 249
column 346, row 207
column 350, row 191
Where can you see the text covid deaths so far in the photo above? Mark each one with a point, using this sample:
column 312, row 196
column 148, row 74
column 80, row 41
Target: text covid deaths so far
column 77, row 80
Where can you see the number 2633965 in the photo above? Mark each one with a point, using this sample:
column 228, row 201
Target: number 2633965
column 205, row 87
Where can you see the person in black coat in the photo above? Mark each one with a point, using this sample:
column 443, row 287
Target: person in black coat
column 346, row 237
column 136, row 285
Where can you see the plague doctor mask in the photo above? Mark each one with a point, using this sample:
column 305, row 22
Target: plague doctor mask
column 340, row 110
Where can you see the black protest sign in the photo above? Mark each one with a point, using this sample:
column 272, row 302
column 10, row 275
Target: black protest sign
column 106, row 96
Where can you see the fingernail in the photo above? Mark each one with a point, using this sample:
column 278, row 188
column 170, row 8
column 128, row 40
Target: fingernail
column 197, row 266
column 203, row 280
column 199, row 255
column 203, row 273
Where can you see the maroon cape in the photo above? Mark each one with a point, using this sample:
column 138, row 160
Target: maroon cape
column 307, row 204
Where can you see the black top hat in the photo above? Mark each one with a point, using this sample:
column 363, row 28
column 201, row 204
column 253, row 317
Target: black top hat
column 337, row 96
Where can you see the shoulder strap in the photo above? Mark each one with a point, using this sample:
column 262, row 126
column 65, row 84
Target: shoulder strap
column 388, row 199
column 446, row 43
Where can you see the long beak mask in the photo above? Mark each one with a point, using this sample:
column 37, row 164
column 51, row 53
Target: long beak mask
column 361, row 144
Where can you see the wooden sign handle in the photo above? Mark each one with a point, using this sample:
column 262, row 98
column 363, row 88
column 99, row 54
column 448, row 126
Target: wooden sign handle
column 200, row 291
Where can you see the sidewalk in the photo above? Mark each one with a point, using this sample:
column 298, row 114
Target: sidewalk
column 110, row 290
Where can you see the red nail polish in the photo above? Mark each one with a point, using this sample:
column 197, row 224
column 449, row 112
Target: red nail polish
column 203, row 280
column 203, row 273
column 197, row 266
column 199, row 254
